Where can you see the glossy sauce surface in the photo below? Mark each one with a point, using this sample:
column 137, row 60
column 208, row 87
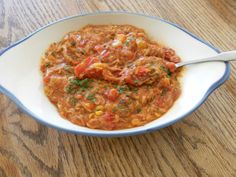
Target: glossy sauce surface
column 110, row 77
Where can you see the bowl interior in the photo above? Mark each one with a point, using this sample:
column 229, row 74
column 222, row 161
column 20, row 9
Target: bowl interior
column 20, row 75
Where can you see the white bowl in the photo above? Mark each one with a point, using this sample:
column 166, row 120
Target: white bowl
column 21, row 80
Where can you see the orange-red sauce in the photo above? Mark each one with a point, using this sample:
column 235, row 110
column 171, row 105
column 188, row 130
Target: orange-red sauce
column 110, row 77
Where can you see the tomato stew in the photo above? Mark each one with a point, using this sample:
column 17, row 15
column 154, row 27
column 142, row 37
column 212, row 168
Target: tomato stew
column 110, row 77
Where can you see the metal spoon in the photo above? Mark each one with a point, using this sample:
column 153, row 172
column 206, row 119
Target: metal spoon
column 224, row 56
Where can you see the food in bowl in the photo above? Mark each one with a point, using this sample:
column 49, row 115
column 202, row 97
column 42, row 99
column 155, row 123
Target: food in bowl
column 110, row 77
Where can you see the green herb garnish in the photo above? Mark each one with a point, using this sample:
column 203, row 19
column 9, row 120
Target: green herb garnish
column 127, row 43
column 53, row 54
column 121, row 89
column 164, row 92
column 136, row 81
column 166, row 70
column 91, row 97
column 114, row 110
column 105, row 86
column 75, row 84
column 73, row 43
column 73, row 101
column 68, row 89
column 135, row 90
column 138, row 110
column 120, row 106
column 122, row 101
column 84, row 83
column 47, row 64
column 83, row 52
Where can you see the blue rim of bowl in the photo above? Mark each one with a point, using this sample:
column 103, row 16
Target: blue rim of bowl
column 115, row 133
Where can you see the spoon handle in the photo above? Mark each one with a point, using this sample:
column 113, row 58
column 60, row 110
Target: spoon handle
column 224, row 56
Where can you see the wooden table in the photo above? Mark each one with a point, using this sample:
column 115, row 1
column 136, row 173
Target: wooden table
column 203, row 144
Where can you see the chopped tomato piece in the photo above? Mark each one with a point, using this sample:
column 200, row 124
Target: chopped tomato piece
column 171, row 66
column 128, row 79
column 141, row 71
column 81, row 68
column 46, row 79
column 94, row 73
column 98, row 48
column 108, row 116
column 112, row 94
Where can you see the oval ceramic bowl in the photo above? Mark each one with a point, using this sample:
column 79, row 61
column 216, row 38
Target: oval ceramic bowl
column 21, row 80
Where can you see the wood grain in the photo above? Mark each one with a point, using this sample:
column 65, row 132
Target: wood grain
column 203, row 144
